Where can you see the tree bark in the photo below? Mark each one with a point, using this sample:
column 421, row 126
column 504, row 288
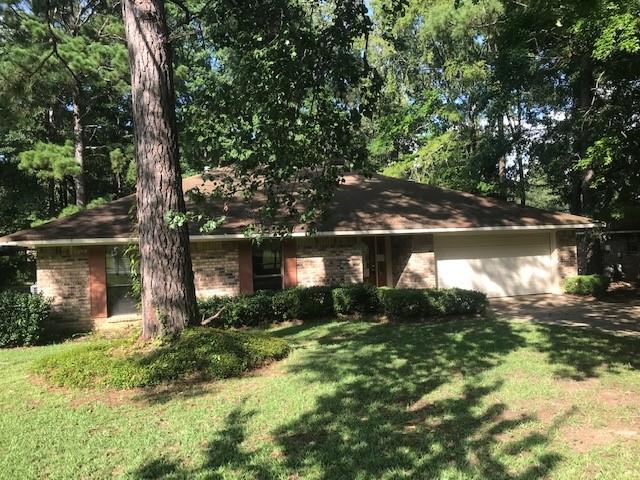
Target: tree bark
column 502, row 161
column 78, row 136
column 583, row 98
column 168, row 292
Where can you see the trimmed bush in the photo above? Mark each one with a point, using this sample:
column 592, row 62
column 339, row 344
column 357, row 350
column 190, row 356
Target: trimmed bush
column 285, row 304
column 596, row 285
column 411, row 304
column 251, row 310
column 359, row 298
column 268, row 307
column 22, row 317
column 244, row 310
column 455, row 301
column 199, row 353
column 315, row 302
column 404, row 303
column 302, row 303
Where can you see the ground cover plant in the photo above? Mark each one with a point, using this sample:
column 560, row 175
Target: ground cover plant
column 463, row 399
column 198, row 353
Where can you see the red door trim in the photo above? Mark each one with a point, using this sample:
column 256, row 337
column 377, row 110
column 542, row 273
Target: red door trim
column 97, row 281
column 245, row 267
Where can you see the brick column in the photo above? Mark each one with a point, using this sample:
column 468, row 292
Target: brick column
column 245, row 267
column 97, row 281
column 289, row 264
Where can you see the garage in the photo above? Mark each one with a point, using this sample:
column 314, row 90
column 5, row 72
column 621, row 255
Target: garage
column 499, row 264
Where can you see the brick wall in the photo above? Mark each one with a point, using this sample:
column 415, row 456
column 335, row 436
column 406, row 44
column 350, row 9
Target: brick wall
column 567, row 253
column 63, row 275
column 329, row 261
column 215, row 268
column 413, row 261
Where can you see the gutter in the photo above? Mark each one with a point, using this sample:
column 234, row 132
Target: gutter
column 335, row 233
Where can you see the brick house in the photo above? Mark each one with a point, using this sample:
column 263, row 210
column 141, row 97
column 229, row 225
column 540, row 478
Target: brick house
column 381, row 230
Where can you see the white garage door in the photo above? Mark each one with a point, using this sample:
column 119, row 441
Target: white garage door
column 498, row 264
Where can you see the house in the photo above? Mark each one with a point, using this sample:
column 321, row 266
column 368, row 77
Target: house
column 381, row 230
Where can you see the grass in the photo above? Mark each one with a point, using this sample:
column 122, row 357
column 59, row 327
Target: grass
column 459, row 400
column 199, row 354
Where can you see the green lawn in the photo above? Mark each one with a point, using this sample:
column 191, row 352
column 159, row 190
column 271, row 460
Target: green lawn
column 464, row 399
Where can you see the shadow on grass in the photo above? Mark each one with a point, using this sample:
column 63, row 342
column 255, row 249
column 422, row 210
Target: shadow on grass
column 377, row 421
column 580, row 353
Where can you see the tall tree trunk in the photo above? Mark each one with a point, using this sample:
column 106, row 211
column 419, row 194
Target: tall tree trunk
column 78, row 136
column 502, row 161
column 51, row 184
column 583, row 98
column 168, row 292
column 522, row 189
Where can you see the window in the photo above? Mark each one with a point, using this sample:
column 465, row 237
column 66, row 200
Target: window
column 267, row 266
column 119, row 299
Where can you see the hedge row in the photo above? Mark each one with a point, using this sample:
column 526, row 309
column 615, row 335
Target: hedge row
column 22, row 316
column 596, row 285
column 358, row 299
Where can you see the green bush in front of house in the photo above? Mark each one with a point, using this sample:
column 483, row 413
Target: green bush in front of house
column 269, row 307
column 358, row 299
column 596, row 285
column 302, row 303
column 412, row 304
column 22, row 316
column 243, row 310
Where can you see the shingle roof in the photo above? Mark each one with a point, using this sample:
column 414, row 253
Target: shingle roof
column 361, row 205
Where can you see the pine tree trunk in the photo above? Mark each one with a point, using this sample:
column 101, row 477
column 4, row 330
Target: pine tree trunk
column 168, row 293
column 78, row 135
column 502, row 162
column 583, row 97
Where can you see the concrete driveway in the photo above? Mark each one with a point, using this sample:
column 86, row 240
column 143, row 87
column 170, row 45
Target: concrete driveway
column 619, row 314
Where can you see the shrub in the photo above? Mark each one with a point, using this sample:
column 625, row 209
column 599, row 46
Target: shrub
column 267, row 307
column 361, row 299
column 403, row 303
column 595, row 285
column 286, row 304
column 455, row 301
column 212, row 305
column 408, row 304
column 358, row 298
column 22, row 316
column 251, row 310
column 315, row 302
column 200, row 353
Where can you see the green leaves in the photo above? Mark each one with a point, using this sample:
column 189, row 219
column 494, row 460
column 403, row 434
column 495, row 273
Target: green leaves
column 48, row 160
column 282, row 104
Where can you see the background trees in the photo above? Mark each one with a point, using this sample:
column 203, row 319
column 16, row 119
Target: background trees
column 532, row 100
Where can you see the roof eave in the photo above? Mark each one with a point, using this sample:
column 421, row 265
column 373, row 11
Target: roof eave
column 333, row 233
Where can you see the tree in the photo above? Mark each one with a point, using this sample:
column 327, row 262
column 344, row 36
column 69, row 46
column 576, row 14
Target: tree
column 578, row 61
column 275, row 91
column 441, row 120
column 70, row 49
column 168, row 292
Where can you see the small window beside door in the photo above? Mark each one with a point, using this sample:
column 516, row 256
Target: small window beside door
column 267, row 266
column 119, row 298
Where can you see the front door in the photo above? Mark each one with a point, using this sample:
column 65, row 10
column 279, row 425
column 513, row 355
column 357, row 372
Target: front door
column 376, row 261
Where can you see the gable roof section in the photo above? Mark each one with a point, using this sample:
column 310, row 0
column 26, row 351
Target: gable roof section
column 361, row 206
